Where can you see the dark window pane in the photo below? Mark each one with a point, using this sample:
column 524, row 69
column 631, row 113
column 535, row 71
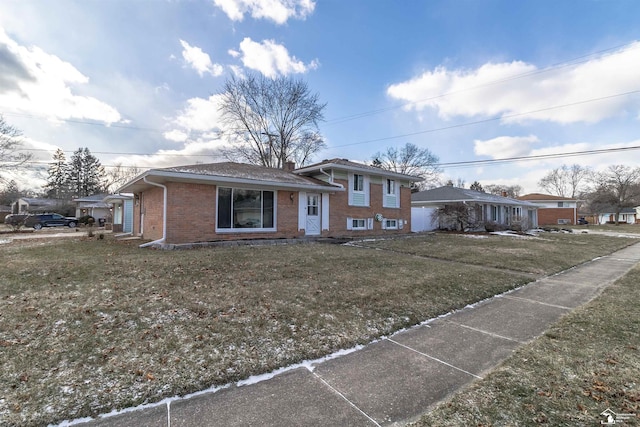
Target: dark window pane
column 224, row 207
column 267, row 209
column 247, row 207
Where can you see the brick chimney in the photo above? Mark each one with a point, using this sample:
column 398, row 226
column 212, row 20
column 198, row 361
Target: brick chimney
column 289, row 166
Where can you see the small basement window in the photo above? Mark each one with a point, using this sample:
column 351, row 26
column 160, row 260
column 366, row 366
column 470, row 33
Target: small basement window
column 391, row 224
column 358, row 224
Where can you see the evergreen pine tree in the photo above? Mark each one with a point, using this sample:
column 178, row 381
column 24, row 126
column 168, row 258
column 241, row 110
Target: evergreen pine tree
column 57, row 186
column 86, row 175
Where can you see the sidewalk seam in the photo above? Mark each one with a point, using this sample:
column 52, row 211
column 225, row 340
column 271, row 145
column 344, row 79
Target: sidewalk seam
column 511, row 297
column 487, row 332
column 335, row 390
column 435, row 358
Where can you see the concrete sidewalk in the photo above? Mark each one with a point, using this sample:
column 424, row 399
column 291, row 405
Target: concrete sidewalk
column 394, row 380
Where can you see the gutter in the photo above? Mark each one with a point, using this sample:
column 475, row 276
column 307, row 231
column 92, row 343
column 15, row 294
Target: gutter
column 330, row 178
column 164, row 214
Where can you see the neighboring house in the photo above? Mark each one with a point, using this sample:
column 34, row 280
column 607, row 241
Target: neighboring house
column 485, row 208
column 38, row 205
column 554, row 210
column 230, row 201
column 608, row 215
column 120, row 219
column 94, row 206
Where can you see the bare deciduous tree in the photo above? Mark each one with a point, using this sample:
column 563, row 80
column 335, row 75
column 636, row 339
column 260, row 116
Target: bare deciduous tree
column 512, row 191
column 566, row 181
column 617, row 187
column 118, row 175
column 10, row 145
column 271, row 121
column 410, row 160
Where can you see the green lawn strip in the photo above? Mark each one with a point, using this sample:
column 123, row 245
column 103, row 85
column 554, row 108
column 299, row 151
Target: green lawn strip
column 91, row 325
column 586, row 363
column 547, row 254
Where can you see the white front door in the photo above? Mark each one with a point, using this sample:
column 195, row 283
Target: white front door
column 313, row 215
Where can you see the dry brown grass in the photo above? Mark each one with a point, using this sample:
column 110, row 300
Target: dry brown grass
column 88, row 325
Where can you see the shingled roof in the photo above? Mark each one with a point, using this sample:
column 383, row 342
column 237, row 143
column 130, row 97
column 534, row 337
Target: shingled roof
column 450, row 194
column 231, row 173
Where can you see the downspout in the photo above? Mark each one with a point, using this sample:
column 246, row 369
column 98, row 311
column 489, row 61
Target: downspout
column 331, row 178
column 164, row 214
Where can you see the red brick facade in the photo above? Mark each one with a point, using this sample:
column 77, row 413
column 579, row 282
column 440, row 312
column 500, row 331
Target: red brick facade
column 340, row 211
column 550, row 216
column 191, row 214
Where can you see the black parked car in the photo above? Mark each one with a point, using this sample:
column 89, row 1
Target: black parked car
column 582, row 221
column 50, row 220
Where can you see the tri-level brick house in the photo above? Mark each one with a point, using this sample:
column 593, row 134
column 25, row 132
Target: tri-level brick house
column 231, row 201
column 554, row 210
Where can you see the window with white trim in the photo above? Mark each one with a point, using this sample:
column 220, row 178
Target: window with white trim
column 358, row 182
column 358, row 190
column 390, row 224
column 390, row 198
column 240, row 209
column 391, row 187
column 358, row 224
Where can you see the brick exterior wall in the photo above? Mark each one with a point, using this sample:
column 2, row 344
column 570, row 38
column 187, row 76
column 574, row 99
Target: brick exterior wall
column 151, row 204
column 550, row 216
column 340, row 211
column 191, row 214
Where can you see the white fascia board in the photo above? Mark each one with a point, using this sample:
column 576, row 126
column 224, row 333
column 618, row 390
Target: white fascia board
column 364, row 170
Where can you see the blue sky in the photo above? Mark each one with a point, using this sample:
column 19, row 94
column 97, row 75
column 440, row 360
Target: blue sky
column 137, row 81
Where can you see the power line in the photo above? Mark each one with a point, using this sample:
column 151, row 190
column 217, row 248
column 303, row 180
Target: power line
column 471, row 163
column 338, row 120
column 492, row 119
column 458, row 125
column 554, row 67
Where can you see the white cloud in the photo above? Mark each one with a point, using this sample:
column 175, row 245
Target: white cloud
column 515, row 88
column 176, row 135
column 199, row 60
column 200, row 114
column 271, row 59
column 200, row 120
column 504, row 147
column 43, row 85
column 278, row 11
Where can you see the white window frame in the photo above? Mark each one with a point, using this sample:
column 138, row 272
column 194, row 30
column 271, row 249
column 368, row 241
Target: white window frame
column 386, row 226
column 351, row 224
column 391, row 187
column 363, row 193
column 357, row 181
column 248, row 230
column 358, row 227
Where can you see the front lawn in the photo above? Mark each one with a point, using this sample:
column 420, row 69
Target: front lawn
column 88, row 325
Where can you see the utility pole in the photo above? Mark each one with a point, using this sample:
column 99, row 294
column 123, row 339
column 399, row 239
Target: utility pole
column 270, row 149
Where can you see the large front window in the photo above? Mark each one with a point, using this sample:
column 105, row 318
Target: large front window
column 240, row 208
